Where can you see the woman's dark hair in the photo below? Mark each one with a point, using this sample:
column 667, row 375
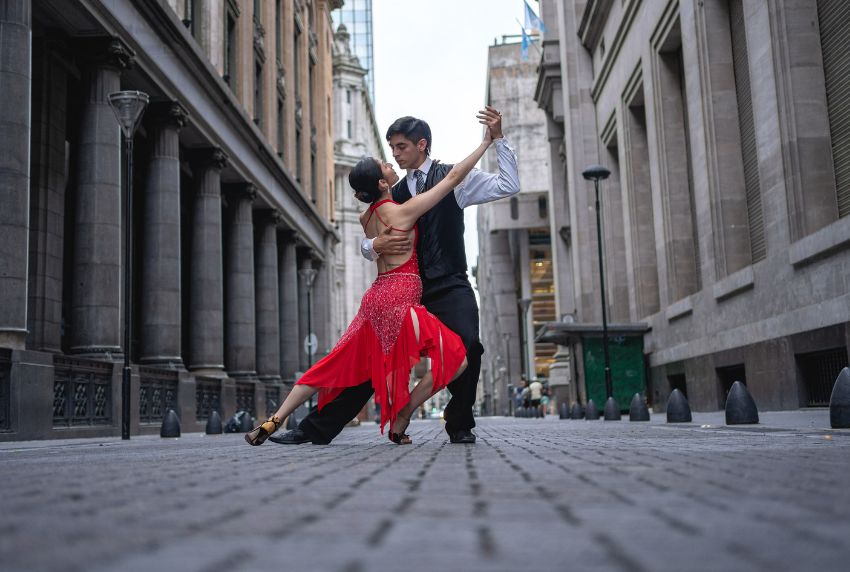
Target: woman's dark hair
column 414, row 130
column 364, row 178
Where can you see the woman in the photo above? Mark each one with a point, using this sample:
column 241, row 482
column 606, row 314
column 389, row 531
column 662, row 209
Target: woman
column 392, row 330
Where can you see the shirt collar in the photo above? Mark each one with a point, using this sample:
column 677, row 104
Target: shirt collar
column 426, row 166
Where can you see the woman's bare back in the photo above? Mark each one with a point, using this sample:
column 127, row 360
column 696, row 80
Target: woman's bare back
column 376, row 224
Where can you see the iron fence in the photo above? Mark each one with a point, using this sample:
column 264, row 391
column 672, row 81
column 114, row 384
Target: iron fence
column 157, row 393
column 207, row 398
column 5, row 389
column 819, row 371
column 82, row 392
column 245, row 397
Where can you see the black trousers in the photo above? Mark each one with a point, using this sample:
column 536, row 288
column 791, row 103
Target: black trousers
column 452, row 300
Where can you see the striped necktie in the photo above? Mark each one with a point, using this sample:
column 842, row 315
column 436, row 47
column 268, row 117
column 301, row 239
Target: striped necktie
column 420, row 180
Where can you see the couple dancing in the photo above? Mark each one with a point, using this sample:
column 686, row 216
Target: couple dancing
column 421, row 303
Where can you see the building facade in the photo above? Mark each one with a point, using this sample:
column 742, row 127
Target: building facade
column 725, row 219
column 520, row 242
column 233, row 195
column 356, row 136
column 357, row 17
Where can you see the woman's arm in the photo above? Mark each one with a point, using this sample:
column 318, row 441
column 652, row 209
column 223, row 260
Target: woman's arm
column 407, row 214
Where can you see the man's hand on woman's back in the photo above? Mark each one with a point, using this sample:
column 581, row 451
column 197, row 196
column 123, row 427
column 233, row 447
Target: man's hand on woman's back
column 391, row 244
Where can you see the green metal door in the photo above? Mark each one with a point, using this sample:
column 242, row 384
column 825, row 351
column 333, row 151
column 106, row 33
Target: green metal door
column 627, row 369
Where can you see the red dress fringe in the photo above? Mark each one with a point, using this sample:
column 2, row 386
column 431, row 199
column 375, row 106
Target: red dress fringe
column 380, row 344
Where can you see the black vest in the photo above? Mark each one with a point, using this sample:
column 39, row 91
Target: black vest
column 441, row 250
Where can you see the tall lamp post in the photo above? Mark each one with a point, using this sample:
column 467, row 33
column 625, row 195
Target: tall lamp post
column 511, row 399
column 128, row 106
column 309, row 276
column 525, row 304
column 596, row 173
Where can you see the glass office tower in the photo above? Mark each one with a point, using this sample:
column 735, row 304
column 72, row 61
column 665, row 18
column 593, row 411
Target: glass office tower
column 357, row 17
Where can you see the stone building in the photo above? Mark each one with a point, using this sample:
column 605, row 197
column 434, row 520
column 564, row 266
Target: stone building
column 233, row 195
column 725, row 218
column 522, row 254
column 356, row 135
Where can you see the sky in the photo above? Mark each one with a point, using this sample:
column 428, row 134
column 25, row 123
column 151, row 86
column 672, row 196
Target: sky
column 447, row 41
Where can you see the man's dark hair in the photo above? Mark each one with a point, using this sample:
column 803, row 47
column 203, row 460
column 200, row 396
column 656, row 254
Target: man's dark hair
column 364, row 178
column 414, row 130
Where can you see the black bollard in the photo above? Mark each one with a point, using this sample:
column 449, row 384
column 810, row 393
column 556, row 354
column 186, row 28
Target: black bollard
column 612, row 410
column 507, row 412
column 214, row 424
column 538, row 412
column 291, row 422
column 638, row 410
column 839, row 401
column 247, row 424
column 170, row 425
column 591, row 412
column 678, row 409
column 563, row 412
column 740, row 406
column 576, row 412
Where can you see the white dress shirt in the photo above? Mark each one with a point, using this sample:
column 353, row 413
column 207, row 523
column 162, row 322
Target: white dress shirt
column 476, row 189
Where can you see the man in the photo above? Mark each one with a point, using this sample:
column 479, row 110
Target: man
column 446, row 291
column 535, row 393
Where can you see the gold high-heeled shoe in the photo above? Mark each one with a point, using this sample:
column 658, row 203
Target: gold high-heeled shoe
column 259, row 434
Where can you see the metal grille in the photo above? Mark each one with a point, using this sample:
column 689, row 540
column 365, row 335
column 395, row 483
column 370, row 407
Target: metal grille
column 690, row 165
column 272, row 400
column 207, row 397
column 82, row 392
column 833, row 18
column 245, row 398
column 820, row 370
column 749, row 153
column 5, row 388
column 157, row 393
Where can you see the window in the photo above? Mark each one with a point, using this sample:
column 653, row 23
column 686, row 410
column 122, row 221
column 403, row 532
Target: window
column 313, row 181
column 348, row 128
column 543, row 207
column 514, row 208
column 258, row 94
column 278, row 30
column 296, row 61
column 347, row 96
column 281, row 128
column 230, row 46
column 298, row 152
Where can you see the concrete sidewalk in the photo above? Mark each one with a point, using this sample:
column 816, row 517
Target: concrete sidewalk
column 530, row 495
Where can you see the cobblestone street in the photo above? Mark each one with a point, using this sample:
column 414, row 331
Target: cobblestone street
column 529, row 495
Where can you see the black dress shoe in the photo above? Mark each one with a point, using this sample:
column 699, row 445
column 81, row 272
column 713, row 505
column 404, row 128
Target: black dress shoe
column 462, row 437
column 294, row 437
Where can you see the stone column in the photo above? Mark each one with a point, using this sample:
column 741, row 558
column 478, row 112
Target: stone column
column 98, row 237
column 305, row 263
column 240, row 347
column 47, row 194
column 15, row 84
column 206, row 300
column 268, row 315
column 288, row 299
column 161, row 314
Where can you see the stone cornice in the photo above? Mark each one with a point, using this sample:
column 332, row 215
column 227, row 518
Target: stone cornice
column 243, row 191
column 107, row 51
column 213, row 156
column 169, row 113
column 593, row 21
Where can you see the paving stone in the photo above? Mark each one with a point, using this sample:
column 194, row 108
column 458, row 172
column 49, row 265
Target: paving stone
column 530, row 495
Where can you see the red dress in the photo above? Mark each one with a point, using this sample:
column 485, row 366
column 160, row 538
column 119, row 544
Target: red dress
column 380, row 344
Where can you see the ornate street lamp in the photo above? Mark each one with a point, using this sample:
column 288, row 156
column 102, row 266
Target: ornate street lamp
column 309, row 276
column 596, row 173
column 128, row 106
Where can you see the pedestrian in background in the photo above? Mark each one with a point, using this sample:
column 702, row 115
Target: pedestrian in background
column 535, row 391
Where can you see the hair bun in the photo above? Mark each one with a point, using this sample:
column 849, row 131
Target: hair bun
column 364, row 178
